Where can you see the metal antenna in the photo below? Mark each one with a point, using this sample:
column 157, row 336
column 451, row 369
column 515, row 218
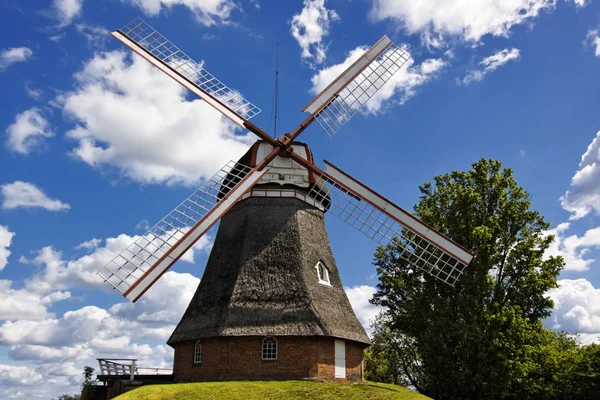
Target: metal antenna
column 275, row 110
column 276, row 89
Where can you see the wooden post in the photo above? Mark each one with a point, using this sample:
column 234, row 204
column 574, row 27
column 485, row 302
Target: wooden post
column 132, row 369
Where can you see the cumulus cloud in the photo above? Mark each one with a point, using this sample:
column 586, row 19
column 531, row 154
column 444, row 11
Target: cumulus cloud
column 125, row 331
column 580, row 3
column 165, row 303
column 5, row 241
column 23, row 304
column 593, row 38
column 14, row 55
column 130, row 117
column 67, row 10
column 78, row 273
column 470, row 20
column 583, row 197
column 21, row 194
column 19, row 375
column 28, row 131
column 89, row 244
column 60, row 345
column 401, row 86
column 577, row 309
column 490, row 64
column 309, row 27
column 574, row 249
column 208, row 13
column 366, row 312
column 34, row 353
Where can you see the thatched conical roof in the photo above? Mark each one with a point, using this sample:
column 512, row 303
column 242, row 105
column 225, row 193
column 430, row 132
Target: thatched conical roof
column 261, row 279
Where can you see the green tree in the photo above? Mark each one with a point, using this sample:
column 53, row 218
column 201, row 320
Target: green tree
column 473, row 341
column 383, row 359
column 69, row 397
column 88, row 374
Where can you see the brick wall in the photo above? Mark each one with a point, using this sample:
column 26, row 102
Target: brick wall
column 240, row 358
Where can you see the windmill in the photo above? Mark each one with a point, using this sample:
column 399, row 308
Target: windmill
column 270, row 302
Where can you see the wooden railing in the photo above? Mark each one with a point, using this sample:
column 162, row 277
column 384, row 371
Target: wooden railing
column 128, row 366
column 118, row 366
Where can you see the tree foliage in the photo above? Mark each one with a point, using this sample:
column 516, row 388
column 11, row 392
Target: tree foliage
column 475, row 340
column 88, row 377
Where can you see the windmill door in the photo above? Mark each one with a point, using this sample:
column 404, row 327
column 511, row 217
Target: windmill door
column 340, row 359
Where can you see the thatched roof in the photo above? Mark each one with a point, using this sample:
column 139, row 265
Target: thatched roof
column 260, row 278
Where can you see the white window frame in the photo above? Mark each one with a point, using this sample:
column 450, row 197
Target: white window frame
column 198, row 352
column 269, row 346
column 324, row 280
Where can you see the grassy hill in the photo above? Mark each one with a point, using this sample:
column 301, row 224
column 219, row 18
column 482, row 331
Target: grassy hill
column 271, row 390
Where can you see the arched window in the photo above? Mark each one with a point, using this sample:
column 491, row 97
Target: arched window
column 269, row 348
column 198, row 352
column 323, row 273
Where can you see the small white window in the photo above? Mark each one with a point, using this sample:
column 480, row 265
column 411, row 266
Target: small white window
column 323, row 273
column 269, row 348
column 198, row 352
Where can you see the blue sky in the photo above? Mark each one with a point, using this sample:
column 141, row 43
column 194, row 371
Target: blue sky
column 96, row 145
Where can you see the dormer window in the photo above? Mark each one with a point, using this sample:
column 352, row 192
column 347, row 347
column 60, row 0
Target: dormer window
column 323, row 273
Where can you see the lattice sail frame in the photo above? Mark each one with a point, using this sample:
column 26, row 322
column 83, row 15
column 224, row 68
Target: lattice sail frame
column 383, row 229
column 361, row 89
column 150, row 39
column 133, row 262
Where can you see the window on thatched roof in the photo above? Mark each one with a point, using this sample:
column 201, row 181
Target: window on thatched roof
column 198, row 352
column 323, row 273
column 269, row 348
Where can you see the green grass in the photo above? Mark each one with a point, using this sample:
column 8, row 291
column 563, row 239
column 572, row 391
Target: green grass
column 271, row 390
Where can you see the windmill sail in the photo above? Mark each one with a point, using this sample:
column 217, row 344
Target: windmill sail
column 136, row 268
column 351, row 90
column 383, row 221
column 158, row 50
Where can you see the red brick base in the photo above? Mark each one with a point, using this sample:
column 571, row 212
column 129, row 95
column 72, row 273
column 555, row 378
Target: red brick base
column 240, row 358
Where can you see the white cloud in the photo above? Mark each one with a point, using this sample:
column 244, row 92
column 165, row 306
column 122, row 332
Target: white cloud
column 593, row 38
column 132, row 117
column 490, row 64
column 580, row 3
column 67, row 10
column 401, row 86
column 309, row 27
column 89, row 244
column 28, row 131
column 21, row 194
column 470, row 20
column 88, row 327
column 58, row 37
column 207, row 12
column 5, row 241
column 49, row 354
column 13, row 55
column 584, row 195
column 23, row 304
column 59, row 346
column 366, row 312
column 577, row 309
column 32, row 92
column 96, row 36
column 60, row 274
column 573, row 248
column 19, row 375
column 165, row 302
